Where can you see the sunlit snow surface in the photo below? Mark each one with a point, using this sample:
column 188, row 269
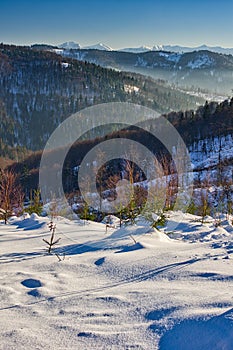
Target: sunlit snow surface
column 129, row 288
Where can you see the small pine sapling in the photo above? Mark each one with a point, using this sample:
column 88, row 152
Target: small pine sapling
column 158, row 220
column 192, row 208
column 52, row 242
column 36, row 205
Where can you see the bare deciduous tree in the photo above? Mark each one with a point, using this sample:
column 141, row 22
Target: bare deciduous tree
column 204, row 198
column 11, row 195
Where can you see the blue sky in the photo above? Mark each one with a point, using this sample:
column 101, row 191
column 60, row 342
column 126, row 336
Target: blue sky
column 121, row 23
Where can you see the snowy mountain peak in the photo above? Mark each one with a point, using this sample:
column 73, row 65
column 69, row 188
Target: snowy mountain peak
column 158, row 48
column 99, row 46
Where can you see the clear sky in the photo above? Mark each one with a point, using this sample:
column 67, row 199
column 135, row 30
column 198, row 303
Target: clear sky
column 117, row 23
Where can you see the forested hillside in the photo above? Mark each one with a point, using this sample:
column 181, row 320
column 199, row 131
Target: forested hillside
column 207, row 133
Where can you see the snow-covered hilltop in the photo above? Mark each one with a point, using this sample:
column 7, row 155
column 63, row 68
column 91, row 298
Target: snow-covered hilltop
column 71, row 45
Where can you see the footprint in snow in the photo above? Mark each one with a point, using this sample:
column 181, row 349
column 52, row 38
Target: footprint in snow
column 87, row 335
column 35, row 293
column 31, row 283
column 99, row 261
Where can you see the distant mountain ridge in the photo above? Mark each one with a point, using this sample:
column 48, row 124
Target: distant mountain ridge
column 179, row 49
column 145, row 48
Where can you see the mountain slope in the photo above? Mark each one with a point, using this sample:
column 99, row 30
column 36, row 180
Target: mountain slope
column 99, row 46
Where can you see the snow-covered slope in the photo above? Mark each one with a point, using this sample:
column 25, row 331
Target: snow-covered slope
column 112, row 293
column 136, row 49
column 207, row 153
column 203, row 60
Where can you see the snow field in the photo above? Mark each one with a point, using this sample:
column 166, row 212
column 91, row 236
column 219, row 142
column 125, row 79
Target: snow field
column 166, row 291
